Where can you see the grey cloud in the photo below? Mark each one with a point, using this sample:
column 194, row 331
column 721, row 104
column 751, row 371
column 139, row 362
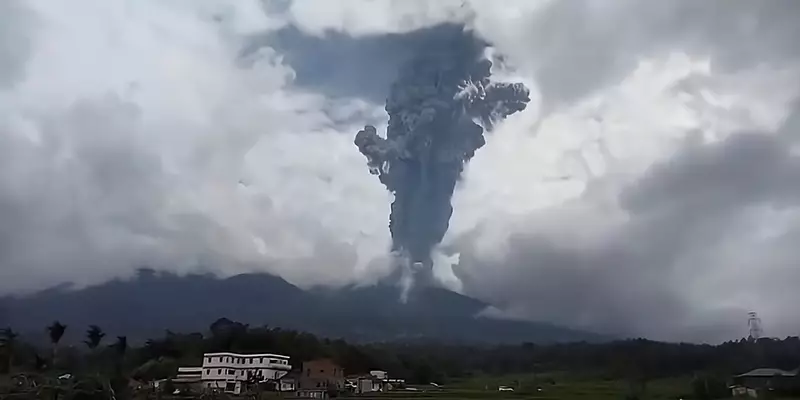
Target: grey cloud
column 578, row 46
column 674, row 257
column 641, row 274
column 744, row 169
column 15, row 21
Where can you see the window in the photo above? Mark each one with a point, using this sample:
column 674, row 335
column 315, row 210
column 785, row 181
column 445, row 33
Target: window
column 207, row 371
column 219, row 372
column 230, row 372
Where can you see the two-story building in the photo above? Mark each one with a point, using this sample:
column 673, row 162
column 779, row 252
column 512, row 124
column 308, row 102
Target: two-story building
column 321, row 374
column 229, row 372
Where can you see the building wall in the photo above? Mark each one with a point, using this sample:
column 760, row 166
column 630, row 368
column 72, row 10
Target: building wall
column 287, row 386
column 312, row 394
column 225, row 370
column 254, row 361
column 378, row 374
column 322, row 373
column 223, row 385
column 364, row 385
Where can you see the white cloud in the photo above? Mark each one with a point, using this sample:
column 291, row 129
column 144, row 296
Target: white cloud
column 128, row 135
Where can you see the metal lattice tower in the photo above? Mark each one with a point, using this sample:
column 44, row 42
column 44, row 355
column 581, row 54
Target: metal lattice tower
column 754, row 323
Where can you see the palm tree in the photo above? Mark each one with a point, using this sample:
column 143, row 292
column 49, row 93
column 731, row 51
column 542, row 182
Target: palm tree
column 56, row 331
column 94, row 336
column 8, row 340
column 121, row 347
column 119, row 384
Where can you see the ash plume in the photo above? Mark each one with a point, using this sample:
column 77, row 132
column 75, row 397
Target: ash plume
column 439, row 107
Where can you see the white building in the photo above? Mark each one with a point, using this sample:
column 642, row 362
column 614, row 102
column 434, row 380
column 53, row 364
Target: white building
column 190, row 373
column 228, row 371
column 380, row 375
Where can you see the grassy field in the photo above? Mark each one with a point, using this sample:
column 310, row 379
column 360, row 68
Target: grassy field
column 552, row 386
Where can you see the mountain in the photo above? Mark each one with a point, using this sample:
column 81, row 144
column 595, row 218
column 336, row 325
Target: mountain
column 151, row 303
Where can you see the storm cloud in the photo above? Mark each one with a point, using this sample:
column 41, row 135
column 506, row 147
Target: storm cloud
column 647, row 189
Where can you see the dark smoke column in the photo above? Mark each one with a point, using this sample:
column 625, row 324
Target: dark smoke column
column 438, row 109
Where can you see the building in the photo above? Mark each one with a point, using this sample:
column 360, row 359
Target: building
column 378, row 374
column 190, row 373
column 376, row 381
column 366, row 384
column 189, row 378
column 312, row 394
column 321, row 374
column 768, row 378
column 229, row 372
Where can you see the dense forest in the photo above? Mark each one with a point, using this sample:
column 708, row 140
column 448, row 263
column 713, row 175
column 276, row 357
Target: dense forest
column 420, row 362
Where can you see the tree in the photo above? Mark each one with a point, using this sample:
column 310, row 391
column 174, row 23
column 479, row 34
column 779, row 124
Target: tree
column 94, row 336
column 56, row 331
column 8, row 341
column 120, row 349
column 121, row 346
column 39, row 363
column 118, row 383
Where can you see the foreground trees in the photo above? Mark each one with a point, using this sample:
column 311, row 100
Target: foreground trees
column 634, row 361
column 8, row 342
column 56, row 331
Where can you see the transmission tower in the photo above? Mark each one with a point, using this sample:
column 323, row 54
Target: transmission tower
column 754, row 323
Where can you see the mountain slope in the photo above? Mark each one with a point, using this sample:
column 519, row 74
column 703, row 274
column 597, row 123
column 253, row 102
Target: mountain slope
column 152, row 302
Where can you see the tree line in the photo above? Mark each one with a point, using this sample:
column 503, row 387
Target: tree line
column 415, row 361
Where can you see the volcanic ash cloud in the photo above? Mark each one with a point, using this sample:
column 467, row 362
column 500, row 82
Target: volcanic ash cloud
column 439, row 108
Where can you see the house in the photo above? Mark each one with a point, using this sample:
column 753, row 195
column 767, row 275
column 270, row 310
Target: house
column 380, row 375
column 229, row 372
column 189, row 378
column 312, row 394
column 393, row 384
column 375, row 381
column 768, row 378
column 321, row 374
column 366, row 384
column 287, row 383
column 189, row 373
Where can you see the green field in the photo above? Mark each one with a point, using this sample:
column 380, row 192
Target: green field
column 553, row 386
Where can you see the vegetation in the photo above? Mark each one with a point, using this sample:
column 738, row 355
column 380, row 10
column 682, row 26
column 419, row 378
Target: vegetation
column 635, row 368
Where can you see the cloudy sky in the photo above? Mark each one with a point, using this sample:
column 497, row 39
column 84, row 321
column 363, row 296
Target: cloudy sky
column 648, row 189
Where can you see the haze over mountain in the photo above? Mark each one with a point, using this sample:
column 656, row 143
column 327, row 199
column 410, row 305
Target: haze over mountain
column 152, row 303
column 647, row 189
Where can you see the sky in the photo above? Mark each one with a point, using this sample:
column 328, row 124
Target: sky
column 647, row 190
